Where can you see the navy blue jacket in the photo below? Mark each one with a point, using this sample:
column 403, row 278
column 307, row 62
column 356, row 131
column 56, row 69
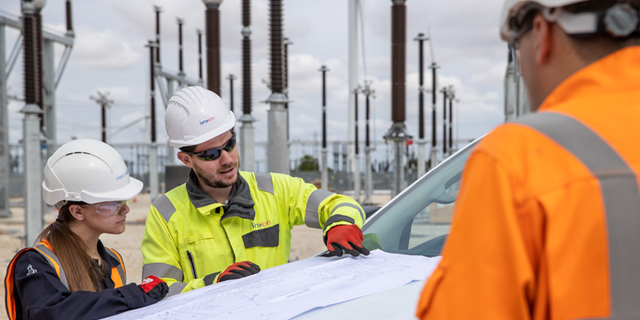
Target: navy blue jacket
column 39, row 293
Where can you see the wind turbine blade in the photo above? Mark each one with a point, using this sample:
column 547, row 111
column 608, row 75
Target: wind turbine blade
column 433, row 59
column 359, row 5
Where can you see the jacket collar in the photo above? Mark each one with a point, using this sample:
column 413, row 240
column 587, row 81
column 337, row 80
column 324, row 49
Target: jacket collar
column 613, row 74
column 240, row 203
column 102, row 251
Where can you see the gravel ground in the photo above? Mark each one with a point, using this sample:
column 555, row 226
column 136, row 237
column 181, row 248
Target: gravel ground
column 305, row 242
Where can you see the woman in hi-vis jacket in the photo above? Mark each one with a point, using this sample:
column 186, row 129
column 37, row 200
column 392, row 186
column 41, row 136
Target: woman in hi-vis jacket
column 68, row 273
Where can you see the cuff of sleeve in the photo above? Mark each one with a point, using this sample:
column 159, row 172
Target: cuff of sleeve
column 211, row 279
column 327, row 228
column 135, row 297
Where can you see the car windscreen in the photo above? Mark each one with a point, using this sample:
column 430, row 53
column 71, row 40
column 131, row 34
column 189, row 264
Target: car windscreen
column 417, row 221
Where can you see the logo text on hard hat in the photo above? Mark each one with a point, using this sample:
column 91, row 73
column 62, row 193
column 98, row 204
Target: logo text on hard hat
column 207, row 120
column 126, row 173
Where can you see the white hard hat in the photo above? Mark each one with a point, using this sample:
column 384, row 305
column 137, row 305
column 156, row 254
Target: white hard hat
column 89, row 171
column 195, row 115
column 511, row 8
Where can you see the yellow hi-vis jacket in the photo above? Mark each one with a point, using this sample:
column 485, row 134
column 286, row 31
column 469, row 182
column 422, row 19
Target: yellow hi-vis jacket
column 189, row 238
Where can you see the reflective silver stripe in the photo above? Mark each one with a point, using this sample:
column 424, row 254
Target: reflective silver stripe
column 62, row 276
column 164, row 207
column 176, row 288
column 351, row 205
column 264, row 182
column 162, row 270
column 621, row 197
column 120, row 268
column 311, row 215
column 338, row 218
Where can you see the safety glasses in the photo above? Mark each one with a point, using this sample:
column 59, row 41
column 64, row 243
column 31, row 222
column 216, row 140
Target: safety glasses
column 215, row 153
column 522, row 22
column 110, row 208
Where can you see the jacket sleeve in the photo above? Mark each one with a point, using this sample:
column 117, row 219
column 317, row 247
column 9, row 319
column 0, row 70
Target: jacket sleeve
column 42, row 295
column 160, row 256
column 317, row 208
column 487, row 270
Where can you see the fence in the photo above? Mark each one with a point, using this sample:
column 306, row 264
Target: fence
column 136, row 157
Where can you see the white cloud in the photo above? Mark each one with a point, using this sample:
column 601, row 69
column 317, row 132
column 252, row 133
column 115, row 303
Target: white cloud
column 103, row 49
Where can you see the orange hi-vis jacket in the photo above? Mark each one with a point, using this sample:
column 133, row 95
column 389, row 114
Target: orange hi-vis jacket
column 118, row 273
column 547, row 224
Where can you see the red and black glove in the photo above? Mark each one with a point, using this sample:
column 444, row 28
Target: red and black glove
column 154, row 287
column 239, row 270
column 347, row 238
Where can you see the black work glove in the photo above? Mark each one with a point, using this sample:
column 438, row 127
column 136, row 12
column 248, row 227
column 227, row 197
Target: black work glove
column 154, row 287
column 347, row 238
column 238, row 270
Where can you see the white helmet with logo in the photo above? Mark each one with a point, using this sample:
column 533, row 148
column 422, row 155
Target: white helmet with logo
column 620, row 20
column 89, row 171
column 195, row 115
column 511, row 8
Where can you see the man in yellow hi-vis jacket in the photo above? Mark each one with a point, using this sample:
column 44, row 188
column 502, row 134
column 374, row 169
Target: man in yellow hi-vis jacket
column 223, row 223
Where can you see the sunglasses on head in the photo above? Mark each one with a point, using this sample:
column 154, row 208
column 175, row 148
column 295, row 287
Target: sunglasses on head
column 215, row 153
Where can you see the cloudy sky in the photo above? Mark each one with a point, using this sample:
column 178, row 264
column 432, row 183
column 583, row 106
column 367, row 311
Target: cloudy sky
column 109, row 56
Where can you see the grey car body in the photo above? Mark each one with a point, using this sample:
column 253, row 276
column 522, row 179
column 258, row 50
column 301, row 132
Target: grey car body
column 415, row 222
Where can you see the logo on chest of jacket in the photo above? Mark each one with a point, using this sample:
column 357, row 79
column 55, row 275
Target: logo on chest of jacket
column 258, row 225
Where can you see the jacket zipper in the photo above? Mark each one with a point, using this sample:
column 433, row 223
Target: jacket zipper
column 227, row 234
column 193, row 265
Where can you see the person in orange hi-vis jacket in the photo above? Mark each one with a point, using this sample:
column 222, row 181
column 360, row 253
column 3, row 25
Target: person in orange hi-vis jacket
column 547, row 224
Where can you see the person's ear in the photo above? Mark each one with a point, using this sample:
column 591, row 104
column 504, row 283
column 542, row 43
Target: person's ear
column 543, row 39
column 77, row 212
column 185, row 158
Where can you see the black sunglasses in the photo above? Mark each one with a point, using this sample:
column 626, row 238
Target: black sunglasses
column 215, row 153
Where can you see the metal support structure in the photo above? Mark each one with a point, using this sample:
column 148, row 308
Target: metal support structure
column 39, row 89
column 231, row 77
column 452, row 96
column 247, row 133
column 356, row 158
column 247, row 143
column 421, row 38
column 5, row 168
column 49, row 96
column 212, row 33
column 157, row 10
column 33, row 213
column 285, row 72
column 200, row 79
column 168, row 82
column 180, row 55
column 445, row 95
column 278, row 152
column 353, row 77
column 103, row 100
column 433, row 159
column 516, row 101
column 398, row 131
column 33, row 204
column 41, row 79
column 153, row 152
column 15, row 52
column 325, row 170
column 368, row 181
